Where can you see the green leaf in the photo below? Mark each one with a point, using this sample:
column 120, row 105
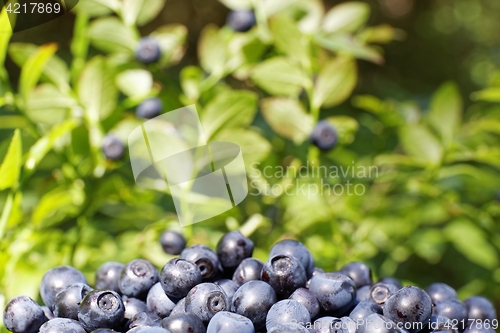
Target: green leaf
column 289, row 40
column 231, row 108
column 279, row 76
column 487, row 95
column 381, row 34
column 135, row 82
column 212, row 50
column 346, row 127
column 56, row 70
column 5, row 34
column 172, row 39
column 11, row 165
column 349, row 45
column 55, row 205
column 38, row 151
column 445, row 114
column 253, row 146
column 33, row 68
column 109, row 34
column 335, row 83
column 96, row 8
column 140, row 12
column 237, row 4
column 96, row 89
column 191, row 77
column 470, row 240
column 287, row 117
column 47, row 105
column 346, row 17
column 419, row 142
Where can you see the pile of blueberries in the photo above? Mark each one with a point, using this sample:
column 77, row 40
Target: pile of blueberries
column 148, row 51
column 228, row 291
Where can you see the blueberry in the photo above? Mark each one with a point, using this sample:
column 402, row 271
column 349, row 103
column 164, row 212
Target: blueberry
column 376, row 323
column 146, row 329
column 180, row 307
column 333, row 325
column 133, row 306
column 288, row 328
column 23, row 315
column 409, row 305
column 360, row 273
column 112, row 147
column 67, row 301
column 324, row 136
column 295, row 249
column 248, row 270
column 62, row 325
column 440, row 292
column 363, row 293
column 205, row 300
column 144, row 319
column 178, row 277
column 228, row 322
column 205, row 258
column 336, row 292
column 108, row 276
column 101, row 309
column 186, row 322
column 48, row 313
column 440, row 324
column 58, row 279
column 364, row 309
column 149, row 109
column 479, row 308
column 307, row 299
column 172, row 242
column 148, row 50
column 232, row 249
column 137, row 277
column 393, row 281
column 285, row 274
column 229, row 287
column 241, row 20
column 453, row 309
column 380, row 292
column 158, row 302
column 253, row 300
column 287, row 311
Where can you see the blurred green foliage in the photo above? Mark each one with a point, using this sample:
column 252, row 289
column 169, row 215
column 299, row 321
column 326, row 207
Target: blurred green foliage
column 428, row 213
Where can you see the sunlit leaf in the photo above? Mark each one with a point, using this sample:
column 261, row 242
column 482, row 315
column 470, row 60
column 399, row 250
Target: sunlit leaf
column 11, row 165
column 335, row 82
column 346, row 17
column 446, row 111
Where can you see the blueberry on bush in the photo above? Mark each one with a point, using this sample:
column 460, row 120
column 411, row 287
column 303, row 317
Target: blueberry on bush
column 205, row 258
column 336, row 292
column 149, row 109
column 137, row 277
column 205, row 300
column 228, row 322
column 285, row 274
column 23, row 315
column 181, row 323
column 172, row 242
column 409, row 305
column 232, row 248
column 112, row 147
column 62, row 325
column 57, row 279
column 241, row 20
column 101, row 309
column 148, row 50
column 324, row 136
column 253, row 300
column 178, row 277
column 108, row 276
column 67, row 301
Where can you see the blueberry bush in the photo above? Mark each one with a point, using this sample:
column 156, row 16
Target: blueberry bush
column 411, row 189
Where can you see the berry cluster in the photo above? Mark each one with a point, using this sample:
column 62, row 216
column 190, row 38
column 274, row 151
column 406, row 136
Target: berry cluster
column 227, row 291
